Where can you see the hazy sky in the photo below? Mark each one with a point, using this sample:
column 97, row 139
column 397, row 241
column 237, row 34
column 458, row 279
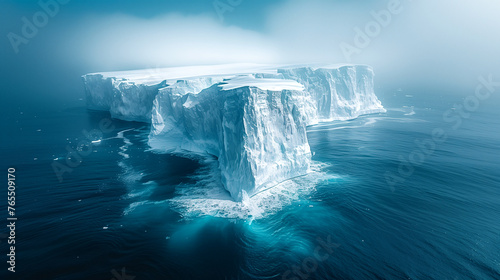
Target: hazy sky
column 430, row 43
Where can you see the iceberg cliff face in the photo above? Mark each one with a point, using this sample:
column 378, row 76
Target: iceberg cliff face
column 254, row 123
column 339, row 93
column 257, row 134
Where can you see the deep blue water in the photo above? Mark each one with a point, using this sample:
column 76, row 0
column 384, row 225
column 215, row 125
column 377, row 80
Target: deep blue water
column 125, row 211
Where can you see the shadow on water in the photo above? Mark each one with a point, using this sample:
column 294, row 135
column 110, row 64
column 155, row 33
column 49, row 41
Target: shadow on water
column 168, row 171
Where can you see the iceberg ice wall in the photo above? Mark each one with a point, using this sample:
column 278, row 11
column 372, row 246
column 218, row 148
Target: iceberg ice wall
column 124, row 99
column 257, row 133
column 338, row 93
column 252, row 118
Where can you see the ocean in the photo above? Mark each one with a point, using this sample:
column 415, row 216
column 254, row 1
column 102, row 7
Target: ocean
column 413, row 193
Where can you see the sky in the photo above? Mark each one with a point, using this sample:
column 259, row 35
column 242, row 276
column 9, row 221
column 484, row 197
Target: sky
column 431, row 44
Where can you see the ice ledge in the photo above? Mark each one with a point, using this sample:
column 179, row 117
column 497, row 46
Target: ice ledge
column 263, row 84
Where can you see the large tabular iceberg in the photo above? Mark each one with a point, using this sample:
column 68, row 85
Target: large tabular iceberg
column 253, row 118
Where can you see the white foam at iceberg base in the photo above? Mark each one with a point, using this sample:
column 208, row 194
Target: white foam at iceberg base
column 207, row 196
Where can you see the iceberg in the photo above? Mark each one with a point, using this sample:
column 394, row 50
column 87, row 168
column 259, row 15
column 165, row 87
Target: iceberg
column 252, row 118
column 124, row 99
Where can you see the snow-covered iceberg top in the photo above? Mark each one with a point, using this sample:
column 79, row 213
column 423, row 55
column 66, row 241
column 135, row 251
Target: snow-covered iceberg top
column 251, row 117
